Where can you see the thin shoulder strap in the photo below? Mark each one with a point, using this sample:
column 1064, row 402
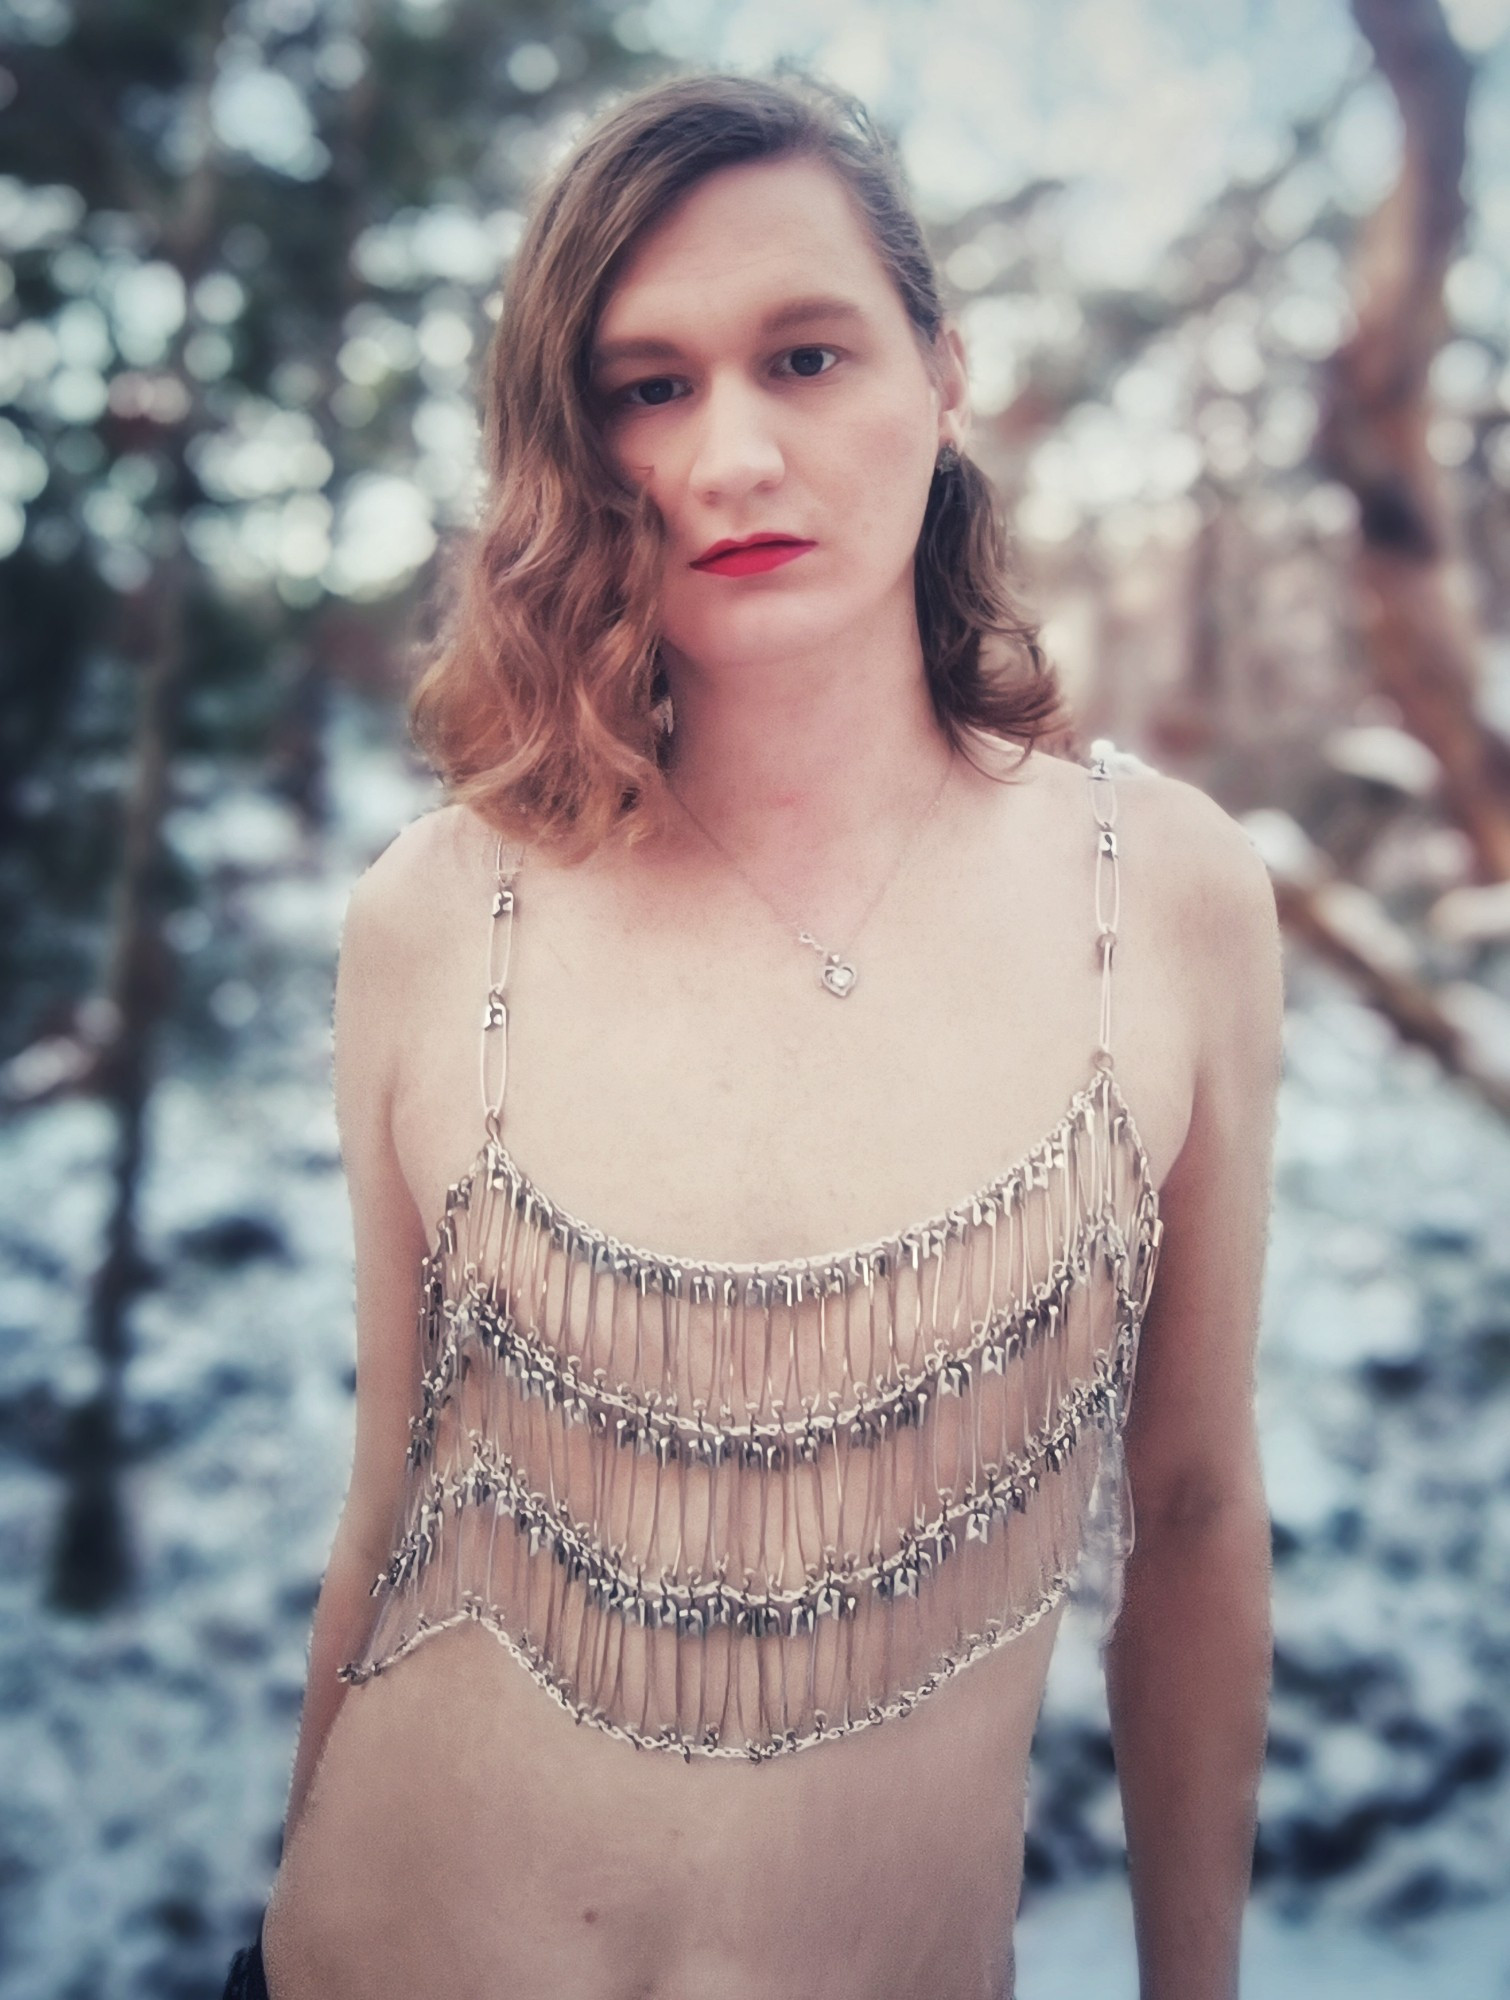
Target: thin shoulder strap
column 1108, row 883
column 495, row 1012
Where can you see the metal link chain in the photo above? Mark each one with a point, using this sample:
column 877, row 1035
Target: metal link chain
column 495, row 1012
column 1106, row 860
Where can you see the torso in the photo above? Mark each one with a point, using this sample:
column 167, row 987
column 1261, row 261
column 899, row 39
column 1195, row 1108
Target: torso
column 531, row 1857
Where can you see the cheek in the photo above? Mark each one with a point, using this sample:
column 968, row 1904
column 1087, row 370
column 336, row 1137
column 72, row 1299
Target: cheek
column 896, row 429
column 888, row 468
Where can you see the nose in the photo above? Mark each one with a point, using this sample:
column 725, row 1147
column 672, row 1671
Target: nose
column 735, row 449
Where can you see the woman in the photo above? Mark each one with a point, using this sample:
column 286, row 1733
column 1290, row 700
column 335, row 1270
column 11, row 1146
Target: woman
column 717, row 1582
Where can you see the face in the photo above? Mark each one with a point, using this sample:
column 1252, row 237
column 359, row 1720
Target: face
column 754, row 369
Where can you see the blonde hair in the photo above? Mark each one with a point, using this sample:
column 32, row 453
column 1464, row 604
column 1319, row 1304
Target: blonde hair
column 538, row 699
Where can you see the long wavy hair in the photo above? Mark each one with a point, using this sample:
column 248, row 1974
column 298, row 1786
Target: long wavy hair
column 541, row 698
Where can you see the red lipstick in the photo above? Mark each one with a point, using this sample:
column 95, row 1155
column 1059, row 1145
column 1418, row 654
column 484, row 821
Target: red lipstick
column 751, row 556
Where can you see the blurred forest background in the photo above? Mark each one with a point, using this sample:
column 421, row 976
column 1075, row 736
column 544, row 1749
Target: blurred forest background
column 1235, row 280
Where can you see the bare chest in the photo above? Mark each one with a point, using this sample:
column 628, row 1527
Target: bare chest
column 691, row 1086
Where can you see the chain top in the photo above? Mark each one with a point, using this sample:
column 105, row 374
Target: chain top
column 736, row 1509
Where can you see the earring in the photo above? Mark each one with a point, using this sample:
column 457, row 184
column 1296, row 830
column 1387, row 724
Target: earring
column 947, row 460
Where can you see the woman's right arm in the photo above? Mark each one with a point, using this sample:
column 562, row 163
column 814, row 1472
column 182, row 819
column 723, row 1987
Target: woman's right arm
column 373, row 973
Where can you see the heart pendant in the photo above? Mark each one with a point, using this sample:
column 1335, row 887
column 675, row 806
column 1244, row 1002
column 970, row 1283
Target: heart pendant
column 839, row 978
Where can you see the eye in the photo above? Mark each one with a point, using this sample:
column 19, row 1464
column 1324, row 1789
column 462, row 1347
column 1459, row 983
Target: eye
column 810, row 361
column 650, row 394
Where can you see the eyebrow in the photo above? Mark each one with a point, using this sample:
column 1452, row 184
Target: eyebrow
column 782, row 319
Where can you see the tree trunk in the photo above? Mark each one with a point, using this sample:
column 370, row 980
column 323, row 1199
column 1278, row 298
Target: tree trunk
column 1374, row 433
column 92, row 1564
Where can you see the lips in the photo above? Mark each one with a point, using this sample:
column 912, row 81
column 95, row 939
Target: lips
column 748, row 558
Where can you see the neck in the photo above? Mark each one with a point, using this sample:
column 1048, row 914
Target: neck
column 808, row 763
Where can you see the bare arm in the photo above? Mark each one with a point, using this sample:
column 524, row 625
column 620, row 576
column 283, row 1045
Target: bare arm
column 389, row 1243
column 1189, row 1665
column 342, row 1616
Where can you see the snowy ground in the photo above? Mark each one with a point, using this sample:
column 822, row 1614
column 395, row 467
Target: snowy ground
column 1076, row 1944
column 144, row 1757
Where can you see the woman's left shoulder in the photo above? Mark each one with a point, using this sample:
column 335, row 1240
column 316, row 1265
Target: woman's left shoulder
column 1198, row 861
column 1212, row 909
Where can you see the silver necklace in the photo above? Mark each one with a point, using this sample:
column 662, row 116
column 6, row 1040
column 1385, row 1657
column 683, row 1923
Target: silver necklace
column 837, row 974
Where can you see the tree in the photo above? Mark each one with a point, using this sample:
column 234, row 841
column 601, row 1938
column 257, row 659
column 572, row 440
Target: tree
column 252, row 245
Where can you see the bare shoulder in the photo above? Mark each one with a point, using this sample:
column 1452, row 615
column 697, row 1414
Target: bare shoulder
column 399, row 894
column 1201, row 864
column 1197, row 903
column 1197, row 867
column 409, row 900
column 1209, row 893
column 396, row 916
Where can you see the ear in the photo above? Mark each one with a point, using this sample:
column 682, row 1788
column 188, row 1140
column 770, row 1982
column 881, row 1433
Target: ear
column 952, row 381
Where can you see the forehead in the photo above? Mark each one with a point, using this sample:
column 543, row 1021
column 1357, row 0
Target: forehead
column 744, row 237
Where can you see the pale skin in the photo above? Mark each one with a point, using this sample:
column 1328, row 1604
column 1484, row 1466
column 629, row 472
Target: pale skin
column 462, row 1838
